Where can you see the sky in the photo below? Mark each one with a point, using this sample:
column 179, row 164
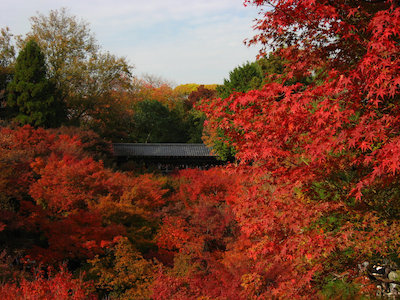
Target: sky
column 182, row 41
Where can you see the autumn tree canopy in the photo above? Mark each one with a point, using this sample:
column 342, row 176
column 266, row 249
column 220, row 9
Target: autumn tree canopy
column 323, row 155
column 7, row 57
column 84, row 73
column 7, row 61
column 309, row 210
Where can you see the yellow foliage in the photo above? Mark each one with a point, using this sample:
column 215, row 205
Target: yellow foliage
column 186, row 89
column 123, row 273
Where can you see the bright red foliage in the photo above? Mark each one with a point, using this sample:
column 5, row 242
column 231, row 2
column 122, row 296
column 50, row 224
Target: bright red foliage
column 56, row 287
column 58, row 204
column 70, row 183
column 315, row 193
column 200, row 230
column 323, row 158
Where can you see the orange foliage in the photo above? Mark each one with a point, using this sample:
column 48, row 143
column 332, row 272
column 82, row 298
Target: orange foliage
column 66, row 199
column 200, row 229
column 123, row 273
column 163, row 93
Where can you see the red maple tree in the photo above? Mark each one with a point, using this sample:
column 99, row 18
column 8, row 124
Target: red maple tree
column 323, row 157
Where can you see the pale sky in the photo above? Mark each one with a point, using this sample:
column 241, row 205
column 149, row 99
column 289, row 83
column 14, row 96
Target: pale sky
column 183, row 41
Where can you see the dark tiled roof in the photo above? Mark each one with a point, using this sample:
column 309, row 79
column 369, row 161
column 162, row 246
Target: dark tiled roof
column 164, row 149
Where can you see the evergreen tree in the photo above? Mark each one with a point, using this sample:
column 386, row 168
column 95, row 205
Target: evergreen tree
column 241, row 79
column 155, row 123
column 31, row 92
column 252, row 75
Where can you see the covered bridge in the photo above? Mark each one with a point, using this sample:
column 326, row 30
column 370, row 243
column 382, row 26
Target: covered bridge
column 164, row 156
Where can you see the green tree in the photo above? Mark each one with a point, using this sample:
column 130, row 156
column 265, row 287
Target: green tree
column 85, row 75
column 7, row 57
column 252, row 76
column 31, row 92
column 195, row 120
column 7, row 60
column 155, row 123
column 241, row 79
column 7, row 48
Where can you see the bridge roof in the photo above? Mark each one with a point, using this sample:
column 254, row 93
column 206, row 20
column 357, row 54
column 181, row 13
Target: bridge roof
column 161, row 149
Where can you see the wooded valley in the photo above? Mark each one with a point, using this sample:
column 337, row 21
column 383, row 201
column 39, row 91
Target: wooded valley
column 307, row 207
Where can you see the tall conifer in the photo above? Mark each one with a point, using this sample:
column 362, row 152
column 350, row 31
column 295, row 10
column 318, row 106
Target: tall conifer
column 31, row 92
